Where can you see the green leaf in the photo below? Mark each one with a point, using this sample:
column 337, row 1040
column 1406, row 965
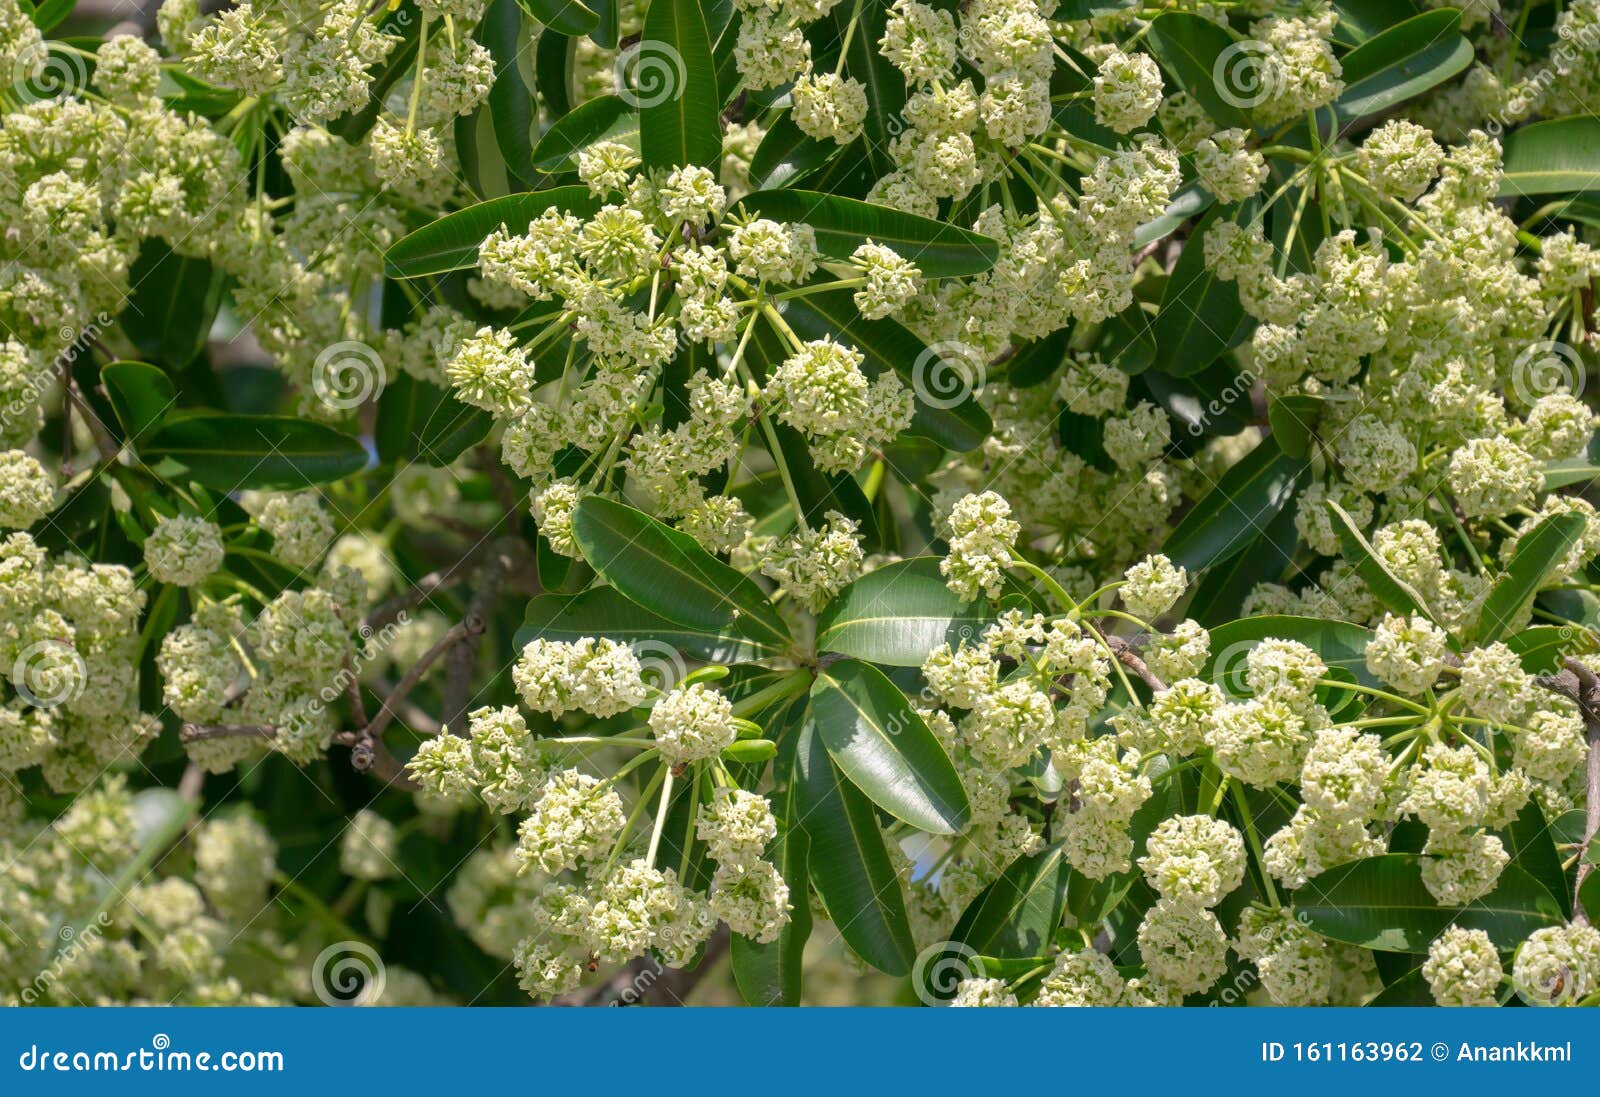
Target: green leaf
column 48, row 14
column 603, row 118
column 1222, row 590
column 1533, row 849
column 1018, row 913
column 140, row 394
column 567, row 16
column 844, row 224
column 510, row 105
column 668, row 572
column 1402, row 62
column 1360, row 20
column 770, row 974
column 1557, row 156
column 897, row 614
column 1589, row 897
column 787, row 154
column 1537, row 556
column 452, row 242
column 606, row 611
column 265, row 452
column 174, row 301
column 1339, row 643
column 849, row 864
column 1294, row 422
column 885, row 748
column 419, row 421
column 885, row 86
column 1202, row 60
column 956, row 421
column 1381, row 903
column 1386, row 587
column 679, row 106
column 1191, row 199
column 1200, row 316
column 1234, row 512
column 552, row 64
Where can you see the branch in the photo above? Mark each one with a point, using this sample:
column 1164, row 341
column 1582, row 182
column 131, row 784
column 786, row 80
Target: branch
column 196, row 733
column 462, row 661
column 1128, row 656
column 646, row 982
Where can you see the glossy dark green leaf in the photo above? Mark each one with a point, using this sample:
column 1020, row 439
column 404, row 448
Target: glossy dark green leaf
column 770, row 974
column 1017, row 914
column 1533, row 849
column 603, row 118
column 844, row 224
column 510, row 105
column 675, row 85
column 946, row 411
column 1360, row 20
column 787, row 155
column 48, row 14
column 605, row 611
column 669, row 573
column 897, row 614
column 1200, row 315
column 1539, row 553
column 140, row 394
column 419, row 421
column 1402, row 62
column 452, row 242
column 1558, row 156
column 265, row 452
column 174, row 301
column 884, row 85
column 1190, row 200
column 849, row 863
column 552, row 65
column 886, row 749
column 1241, row 505
column 1202, row 59
column 1388, row 588
column 1381, row 903
column 1294, row 422
column 567, row 16
column 1223, row 588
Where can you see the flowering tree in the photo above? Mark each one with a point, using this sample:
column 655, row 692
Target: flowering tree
column 1058, row 502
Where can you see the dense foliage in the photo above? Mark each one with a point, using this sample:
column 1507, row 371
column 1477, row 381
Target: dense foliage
column 1069, row 502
